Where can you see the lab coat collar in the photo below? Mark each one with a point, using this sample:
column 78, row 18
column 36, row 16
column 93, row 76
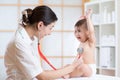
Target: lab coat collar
column 25, row 35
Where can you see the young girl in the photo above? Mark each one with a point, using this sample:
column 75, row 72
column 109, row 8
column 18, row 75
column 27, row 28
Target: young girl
column 84, row 32
column 21, row 61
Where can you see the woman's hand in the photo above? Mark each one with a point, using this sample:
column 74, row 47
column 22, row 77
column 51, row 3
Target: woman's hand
column 66, row 76
column 78, row 61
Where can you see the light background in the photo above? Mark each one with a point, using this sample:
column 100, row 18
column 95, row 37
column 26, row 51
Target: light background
column 60, row 47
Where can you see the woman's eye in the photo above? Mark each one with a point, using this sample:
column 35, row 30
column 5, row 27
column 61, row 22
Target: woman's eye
column 50, row 28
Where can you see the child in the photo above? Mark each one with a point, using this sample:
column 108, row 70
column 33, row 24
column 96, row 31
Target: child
column 84, row 32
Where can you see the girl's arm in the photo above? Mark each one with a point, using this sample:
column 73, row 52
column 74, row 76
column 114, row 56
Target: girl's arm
column 54, row 74
column 90, row 26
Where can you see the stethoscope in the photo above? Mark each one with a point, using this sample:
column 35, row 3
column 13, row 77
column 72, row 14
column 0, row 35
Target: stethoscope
column 41, row 54
column 44, row 58
column 79, row 50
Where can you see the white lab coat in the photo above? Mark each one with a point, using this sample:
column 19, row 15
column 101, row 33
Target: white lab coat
column 21, row 61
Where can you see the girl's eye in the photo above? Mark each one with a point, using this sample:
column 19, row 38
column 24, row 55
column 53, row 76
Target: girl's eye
column 75, row 31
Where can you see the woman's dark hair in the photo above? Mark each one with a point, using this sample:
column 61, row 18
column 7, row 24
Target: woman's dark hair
column 80, row 23
column 39, row 13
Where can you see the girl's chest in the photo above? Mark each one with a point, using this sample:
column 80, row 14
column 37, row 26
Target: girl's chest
column 88, row 49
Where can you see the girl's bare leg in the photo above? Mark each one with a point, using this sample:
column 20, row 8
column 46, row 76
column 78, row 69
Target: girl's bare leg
column 82, row 71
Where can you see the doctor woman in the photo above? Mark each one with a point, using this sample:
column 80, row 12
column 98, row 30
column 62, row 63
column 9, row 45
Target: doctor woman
column 21, row 61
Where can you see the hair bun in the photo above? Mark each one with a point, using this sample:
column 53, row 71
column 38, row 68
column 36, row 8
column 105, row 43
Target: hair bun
column 26, row 14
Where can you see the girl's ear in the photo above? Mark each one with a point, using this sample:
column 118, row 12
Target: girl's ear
column 40, row 25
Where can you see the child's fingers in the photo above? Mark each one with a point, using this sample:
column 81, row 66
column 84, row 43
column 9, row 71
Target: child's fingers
column 88, row 13
column 78, row 61
column 76, row 58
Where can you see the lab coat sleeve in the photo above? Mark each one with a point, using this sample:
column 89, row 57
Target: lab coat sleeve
column 26, row 61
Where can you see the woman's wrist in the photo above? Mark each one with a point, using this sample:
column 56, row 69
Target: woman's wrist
column 74, row 65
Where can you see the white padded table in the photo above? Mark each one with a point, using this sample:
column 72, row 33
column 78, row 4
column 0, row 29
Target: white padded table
column 97, row 77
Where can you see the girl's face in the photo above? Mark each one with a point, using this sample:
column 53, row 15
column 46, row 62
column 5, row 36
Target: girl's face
column 46, row 30
column 81, row 34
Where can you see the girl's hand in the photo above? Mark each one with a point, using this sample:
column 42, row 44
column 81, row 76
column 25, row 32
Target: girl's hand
column 88, row 13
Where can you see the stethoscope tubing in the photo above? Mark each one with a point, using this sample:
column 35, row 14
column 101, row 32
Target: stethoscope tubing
column 44, row 58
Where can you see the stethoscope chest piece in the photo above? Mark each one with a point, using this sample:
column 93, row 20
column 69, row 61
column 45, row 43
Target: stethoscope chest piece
column 80, row 50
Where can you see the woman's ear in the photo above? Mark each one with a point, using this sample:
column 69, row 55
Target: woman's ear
column 40, row 25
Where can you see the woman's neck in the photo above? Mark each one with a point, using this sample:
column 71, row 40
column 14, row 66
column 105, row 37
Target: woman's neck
column 30, row 31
